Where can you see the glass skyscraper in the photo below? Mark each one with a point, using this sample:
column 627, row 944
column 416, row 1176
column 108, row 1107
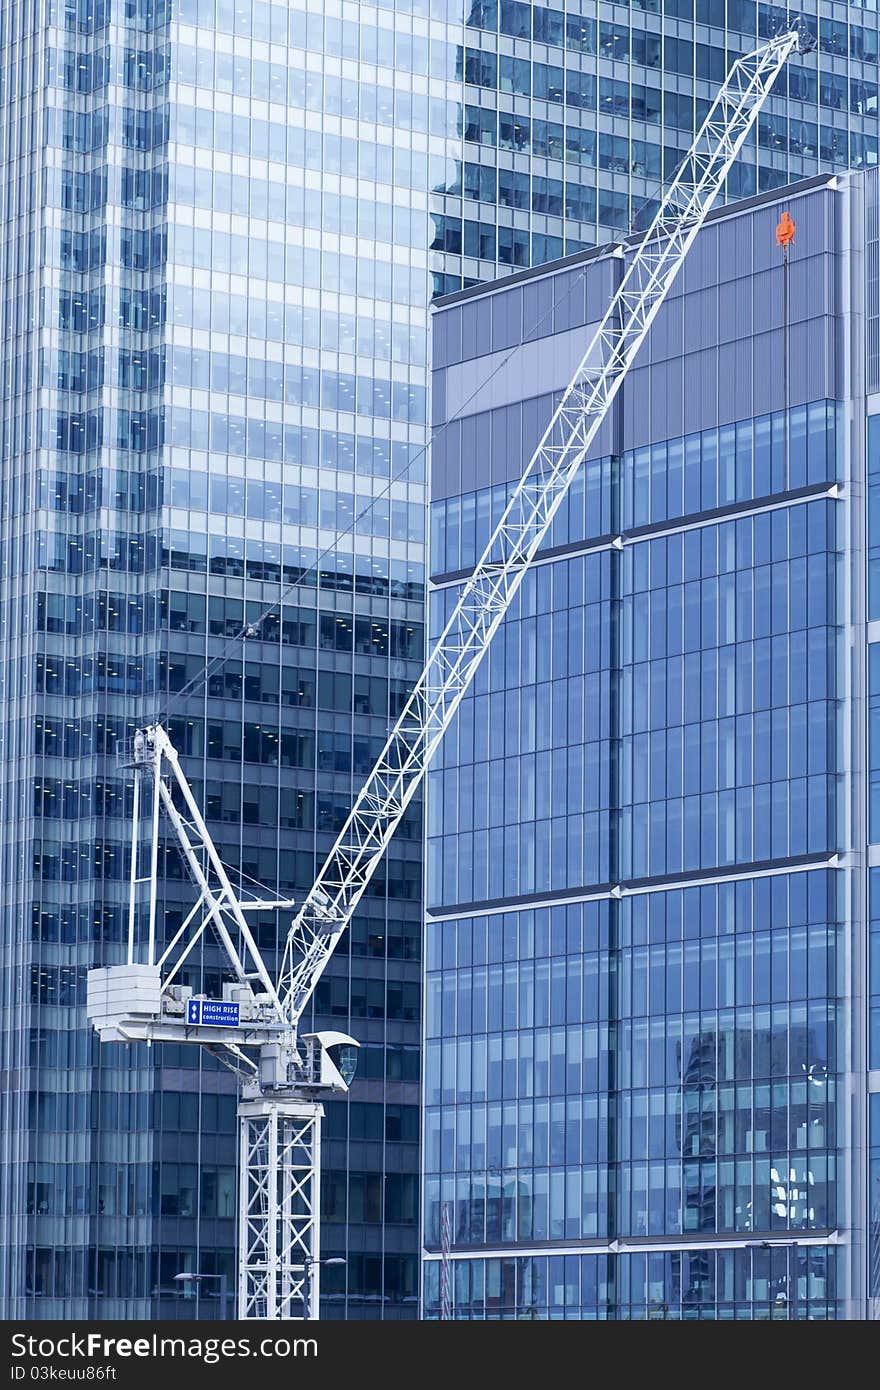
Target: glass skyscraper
column 224, row 221
column 650, row 876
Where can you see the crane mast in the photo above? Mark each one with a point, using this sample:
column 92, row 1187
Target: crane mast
column 146, row 999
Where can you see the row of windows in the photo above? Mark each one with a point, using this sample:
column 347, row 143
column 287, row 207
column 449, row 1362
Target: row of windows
column 290, row 144
column 230, row 803
column 523, row 77
column 693, row 1117
column 765, row 968
column 284, row 871
column 617, row 41
column 354, row 1197
column 272, row 684
column 756, row 1282
column 292, row 504
column 826, row 143
column 265, row 560
column 715, row 909
column 675, row 110
column 519, row 189
column 293, row 627
column 781, row 1192
column 873, row 503
column 619, row 154
column 389, row 1123
column 735, row 463
column 65, row 1272
column 716, row 567
column 130, row 1189
column 294, row 384
column 296, row 87
column 128, row 490
column 140, row 70
column 83, row 16
column 291, row 382
column 316, row 32
column 85, row 132
column 507, row 130
column 338, row 998
column 105, row 611
column 734, row 754
column 514, row 245
column 675, row 478
column 318, row 209
column 83, row 431
column 764, row 823
column 79, row 492
column 81, row 738
column 369, row 936
column 272, row 320
column 144, row 310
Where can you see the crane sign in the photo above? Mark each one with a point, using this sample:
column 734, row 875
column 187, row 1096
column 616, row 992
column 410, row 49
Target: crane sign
column 255, row 1027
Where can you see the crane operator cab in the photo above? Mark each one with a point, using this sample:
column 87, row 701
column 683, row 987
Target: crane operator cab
column 321, row 1062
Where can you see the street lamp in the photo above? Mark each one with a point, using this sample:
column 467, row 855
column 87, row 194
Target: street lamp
column 189, row 1278
column 308, row 1266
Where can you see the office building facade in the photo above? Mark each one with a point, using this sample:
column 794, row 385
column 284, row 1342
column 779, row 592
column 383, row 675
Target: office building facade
column 650, row 1077
column 223, row 224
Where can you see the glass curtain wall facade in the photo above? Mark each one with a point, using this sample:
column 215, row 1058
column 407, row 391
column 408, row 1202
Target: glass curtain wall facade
column 645, row 982
column 223, row 224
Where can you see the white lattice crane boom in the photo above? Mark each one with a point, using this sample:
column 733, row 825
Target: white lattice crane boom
column 146, row 999
column 487, row 595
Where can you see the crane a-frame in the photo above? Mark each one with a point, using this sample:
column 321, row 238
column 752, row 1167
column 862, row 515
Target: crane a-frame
column 255, row 1027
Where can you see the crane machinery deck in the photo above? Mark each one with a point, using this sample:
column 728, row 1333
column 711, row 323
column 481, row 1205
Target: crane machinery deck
column 254, row 1027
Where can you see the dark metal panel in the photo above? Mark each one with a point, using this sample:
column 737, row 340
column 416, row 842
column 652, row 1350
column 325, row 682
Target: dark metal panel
column 438, row 397
column 482, row 464
column 469, row 330
column 483, row 332
column 506, row 319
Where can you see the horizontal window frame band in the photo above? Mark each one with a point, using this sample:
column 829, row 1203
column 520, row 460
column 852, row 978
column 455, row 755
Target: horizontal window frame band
column 647, row 1245
column 764, row 868
column 653, row 530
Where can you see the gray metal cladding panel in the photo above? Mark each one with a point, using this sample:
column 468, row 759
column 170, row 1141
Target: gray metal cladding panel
column 538, row 310
column 445, row 460
column 735, row 319
column 667, row 332
column 872, row 281
column 765, row 356
column 524, row 312
column 714, row 354
column 734, row 382
column 506, row 315
column 438, row 396
column 700, row 270
column 443, row 322
column 570, row 290
column 700, row 319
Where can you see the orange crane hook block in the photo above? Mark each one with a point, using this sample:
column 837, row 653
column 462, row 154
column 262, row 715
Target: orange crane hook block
column 784, row 231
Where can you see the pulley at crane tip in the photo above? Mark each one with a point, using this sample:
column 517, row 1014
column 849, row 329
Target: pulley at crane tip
column 784, row 231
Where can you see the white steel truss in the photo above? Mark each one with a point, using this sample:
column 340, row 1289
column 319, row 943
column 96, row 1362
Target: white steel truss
column 279, row 1208
column 489, row 591
column 154, row 758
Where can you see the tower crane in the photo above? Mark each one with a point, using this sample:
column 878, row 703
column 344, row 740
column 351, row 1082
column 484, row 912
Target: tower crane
column 254, row 1028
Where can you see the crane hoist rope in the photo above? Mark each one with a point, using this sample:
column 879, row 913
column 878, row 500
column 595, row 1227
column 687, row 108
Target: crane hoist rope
column 255, row 1026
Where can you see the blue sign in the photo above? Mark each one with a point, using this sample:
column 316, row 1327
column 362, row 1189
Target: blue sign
column 212, row 1013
